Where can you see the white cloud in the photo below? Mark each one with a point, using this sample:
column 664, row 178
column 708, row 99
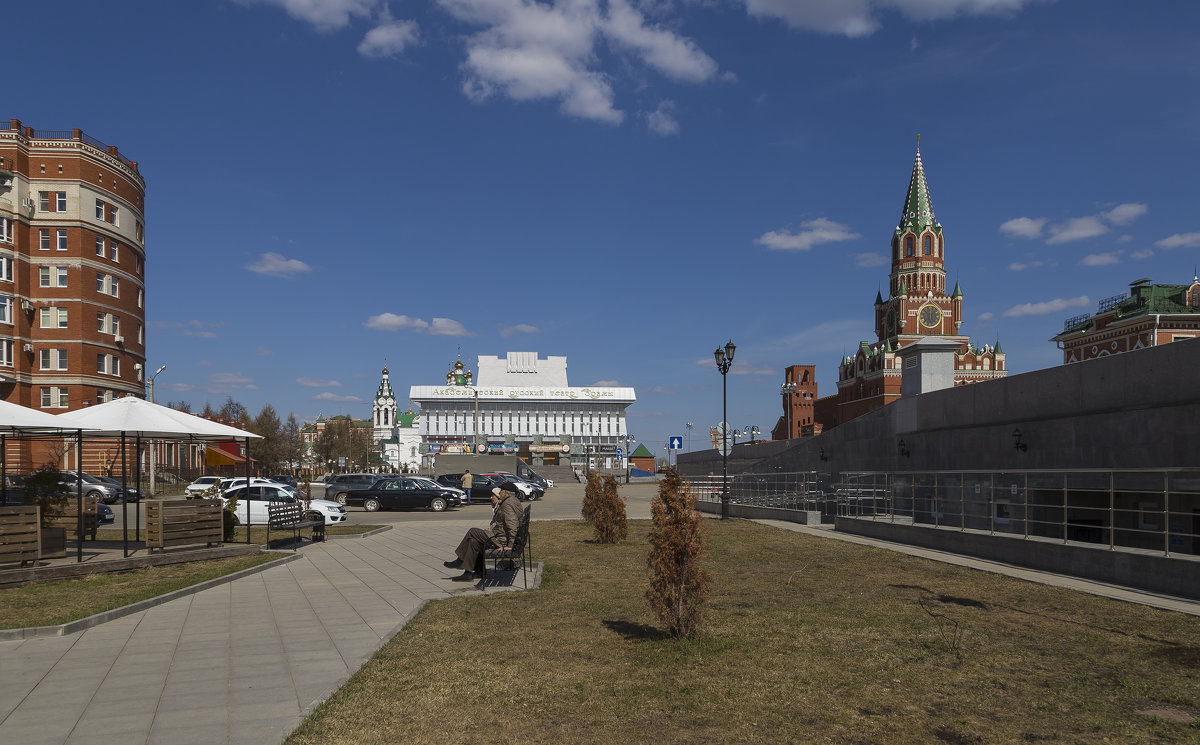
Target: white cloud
column 676, row 57
column 1018, row 266
column 520, row 328
column 1076, row 229
column 986, row 316
column 327, row 396
column 1123, row 214
column 605, row 384
column 262, row 351
column 315, row 383
column 276, row 265
column 662, row 120
column 325, row 15
column 864, row 261
column 1023, row 227
column 856, row 18
column 1145, row 253
column 1101, row 259
column 1180, row 240
column 813, row 233
column 199, row 334
column 1051, row 306
column 535, row 50
column 389, row 39
column 225, row 382
column 393, row 322
column 447, row 327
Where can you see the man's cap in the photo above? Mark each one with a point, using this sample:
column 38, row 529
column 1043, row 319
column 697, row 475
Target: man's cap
column 497, row 492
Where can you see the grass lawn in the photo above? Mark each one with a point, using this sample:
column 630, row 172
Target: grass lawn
column 807, row 640
column 52, row 603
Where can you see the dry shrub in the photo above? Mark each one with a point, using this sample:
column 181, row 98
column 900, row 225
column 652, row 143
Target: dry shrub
column 591, row 496
column 609, row 516
column 678, row 590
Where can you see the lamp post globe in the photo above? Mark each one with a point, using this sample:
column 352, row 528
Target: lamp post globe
column 724, row 360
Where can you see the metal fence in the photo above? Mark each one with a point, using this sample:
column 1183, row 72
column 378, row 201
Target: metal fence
column 1154, row 510
column 796, row 490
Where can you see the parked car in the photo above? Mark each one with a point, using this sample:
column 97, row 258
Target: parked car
column 200, row 485
column 283, row 478
column 401, row 492
column 337, row 486
column 481, row 485
column 132, row 494
column 104, row 514
column 92, row 487
column 536, row 490
column 463, row 497
column 536, row 478
column 258, row 496
column 525, row 489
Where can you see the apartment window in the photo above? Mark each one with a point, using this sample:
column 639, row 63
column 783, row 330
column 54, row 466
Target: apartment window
column 107, row 284
column 60, row 202
column 6, row 353
column 44, row 239
column 54, row 397
column 99, row 209
column 52, row 276
column 141, row 231
column 108, row 364
column 6, row 269
column 114, row 287
column 113, row 251
column 6, row 309
column 141, row 334
column 54, row 359
column 141, row 298
column 107, row 323
column 44, row 201
column 52, row 318
column 6, row 233
column 115, row 325
column 100, row 246
column 102, row 322
column 62, row 239
column 113, row 217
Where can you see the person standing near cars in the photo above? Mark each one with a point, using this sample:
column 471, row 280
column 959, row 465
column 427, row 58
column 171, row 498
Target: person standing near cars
column 467, row 480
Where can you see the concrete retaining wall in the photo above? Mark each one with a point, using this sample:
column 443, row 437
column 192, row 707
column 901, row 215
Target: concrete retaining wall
column 754, row 512
column 1172, row 575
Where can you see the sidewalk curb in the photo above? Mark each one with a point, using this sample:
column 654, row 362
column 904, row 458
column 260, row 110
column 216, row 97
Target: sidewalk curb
column 71, row 627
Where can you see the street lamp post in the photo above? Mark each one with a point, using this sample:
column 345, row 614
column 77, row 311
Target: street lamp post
column 724, row 360
column 150, row 386
column 788, row 390
column 630, row 441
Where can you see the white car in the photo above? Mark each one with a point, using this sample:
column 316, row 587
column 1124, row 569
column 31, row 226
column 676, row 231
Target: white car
column 201, row 485
column 261, row 495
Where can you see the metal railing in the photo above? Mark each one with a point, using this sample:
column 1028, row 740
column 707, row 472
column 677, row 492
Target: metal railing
column 1153, row 510
column 795, row 490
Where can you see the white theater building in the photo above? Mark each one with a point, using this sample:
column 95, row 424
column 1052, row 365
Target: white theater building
column 523, row 405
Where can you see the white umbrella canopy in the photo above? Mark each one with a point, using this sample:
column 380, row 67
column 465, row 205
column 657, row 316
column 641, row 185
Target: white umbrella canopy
column 17, row 418
column 132, row 415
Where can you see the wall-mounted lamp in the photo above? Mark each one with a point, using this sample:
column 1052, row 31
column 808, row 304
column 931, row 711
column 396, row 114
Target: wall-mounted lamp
column 823, row 455
column 1017, row 444
column 904, row 450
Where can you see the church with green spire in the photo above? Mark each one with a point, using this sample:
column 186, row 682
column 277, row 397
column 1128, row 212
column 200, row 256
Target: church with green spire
column 916, row 307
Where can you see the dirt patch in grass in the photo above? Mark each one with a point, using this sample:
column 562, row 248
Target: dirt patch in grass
column 807, row 640
column 53, row 603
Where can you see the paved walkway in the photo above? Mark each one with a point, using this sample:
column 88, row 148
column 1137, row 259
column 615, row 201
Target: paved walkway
column 239, row 663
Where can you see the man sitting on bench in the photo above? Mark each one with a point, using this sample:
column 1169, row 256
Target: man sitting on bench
column 506, row 520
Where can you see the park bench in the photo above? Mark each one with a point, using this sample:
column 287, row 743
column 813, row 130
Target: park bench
column 180, row 522
column 517, row 551
column 20, row 534
column 290, row 516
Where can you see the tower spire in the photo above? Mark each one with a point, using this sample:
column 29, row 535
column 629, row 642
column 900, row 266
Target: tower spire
column 917, row 214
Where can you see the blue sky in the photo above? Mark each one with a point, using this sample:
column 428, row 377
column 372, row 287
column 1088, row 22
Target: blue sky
column 629, row 183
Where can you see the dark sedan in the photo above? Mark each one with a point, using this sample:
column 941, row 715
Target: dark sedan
column 397, row 493
column 481, row 486
column 131, row 493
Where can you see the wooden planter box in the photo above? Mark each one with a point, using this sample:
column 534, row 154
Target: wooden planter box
column 54, row 543
column 20, row 536
column 182, row 522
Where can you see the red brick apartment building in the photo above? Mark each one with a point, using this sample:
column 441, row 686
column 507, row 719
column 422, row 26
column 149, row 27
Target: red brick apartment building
column 72, row 275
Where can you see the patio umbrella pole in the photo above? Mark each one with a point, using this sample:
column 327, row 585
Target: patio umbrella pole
column 3, row 472
column 247, row 492
column 79, row 496
column 124, row 504
column 137, row 477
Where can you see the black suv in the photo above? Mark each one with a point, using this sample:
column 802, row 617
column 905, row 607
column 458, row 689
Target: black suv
column 481, row 486
column 336, row 487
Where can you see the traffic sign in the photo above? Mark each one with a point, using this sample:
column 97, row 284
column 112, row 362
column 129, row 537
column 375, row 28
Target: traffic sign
column 620, row 452
column 676, row 443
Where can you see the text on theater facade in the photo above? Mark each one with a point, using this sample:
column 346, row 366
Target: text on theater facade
column 453, row 391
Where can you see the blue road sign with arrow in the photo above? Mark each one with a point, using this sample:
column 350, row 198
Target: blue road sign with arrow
column 677, row 443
